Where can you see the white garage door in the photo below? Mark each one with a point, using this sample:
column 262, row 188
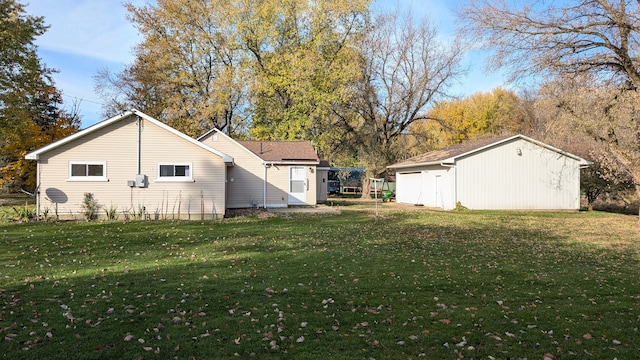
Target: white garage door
column 409, row 188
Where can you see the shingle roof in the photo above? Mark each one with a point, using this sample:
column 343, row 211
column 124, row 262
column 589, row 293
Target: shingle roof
column 282, row 150
column 449, row 154
column 451, row 151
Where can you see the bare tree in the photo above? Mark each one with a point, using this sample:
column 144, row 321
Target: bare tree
column 404, row 67
column 558, row 37
column 595, row 122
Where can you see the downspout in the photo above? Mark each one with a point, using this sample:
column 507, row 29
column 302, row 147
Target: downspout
column 139, row 143
column 264, row 201
column 455, row 181
column 38, row 190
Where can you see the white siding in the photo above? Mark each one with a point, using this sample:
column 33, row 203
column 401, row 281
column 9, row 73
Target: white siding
column 117, row 145
column 409, row 188
column 518, row 175
column 442, row 196
column 418, row 186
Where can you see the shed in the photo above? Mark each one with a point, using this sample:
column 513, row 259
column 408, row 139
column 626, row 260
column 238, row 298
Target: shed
column 507, row 172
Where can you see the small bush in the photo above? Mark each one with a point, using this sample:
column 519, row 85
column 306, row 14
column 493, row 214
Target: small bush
column 460, row 207
column 90, row 207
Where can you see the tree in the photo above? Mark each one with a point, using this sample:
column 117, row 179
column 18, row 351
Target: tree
column 595, row 40
column 30, row 106
column 558, row 38
column 302, row 56
column 187, row 68
column 21, row 73
column 480, row 115
column 403, row 68
column 274, row 66
column 40, row 124
column 596, row 122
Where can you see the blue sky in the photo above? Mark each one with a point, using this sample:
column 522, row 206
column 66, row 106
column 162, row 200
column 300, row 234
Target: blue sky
column 87, row 35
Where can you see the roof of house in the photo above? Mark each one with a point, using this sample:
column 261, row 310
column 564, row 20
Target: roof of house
column 450, row 154
column 282, row 151
column 35, row 155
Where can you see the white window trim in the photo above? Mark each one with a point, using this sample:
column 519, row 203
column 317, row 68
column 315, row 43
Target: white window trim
column 175, row 178
column 89, row 178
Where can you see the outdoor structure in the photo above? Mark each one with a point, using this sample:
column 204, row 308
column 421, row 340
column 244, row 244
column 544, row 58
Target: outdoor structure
column 322, row 181
column 137, row 166
column 509, row 172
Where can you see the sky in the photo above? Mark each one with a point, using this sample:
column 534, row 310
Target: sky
column 86, row 36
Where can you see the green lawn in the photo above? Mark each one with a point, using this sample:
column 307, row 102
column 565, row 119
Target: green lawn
column 409, row 284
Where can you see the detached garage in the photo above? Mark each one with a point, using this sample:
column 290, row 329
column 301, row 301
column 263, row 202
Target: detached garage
column 509, row 172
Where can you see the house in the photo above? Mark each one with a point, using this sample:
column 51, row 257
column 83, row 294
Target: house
column 136, row 165
column 508, row 172
column 268, row 173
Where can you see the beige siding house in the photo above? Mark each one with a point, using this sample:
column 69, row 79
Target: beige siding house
column 510, row 172
column 136, row 165
column 268, row 173
column 140, row 167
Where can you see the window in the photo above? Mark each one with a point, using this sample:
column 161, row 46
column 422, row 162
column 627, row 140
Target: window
column 174, row 172
column 87, row 171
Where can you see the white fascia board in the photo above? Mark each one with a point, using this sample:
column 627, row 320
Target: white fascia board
column 446, row 162
column 226, row 158
column 35, row 155
column 233, row 141
column 292, row 163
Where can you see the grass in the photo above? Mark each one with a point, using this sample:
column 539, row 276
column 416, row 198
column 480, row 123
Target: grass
column 409, row 284
column 16, row 207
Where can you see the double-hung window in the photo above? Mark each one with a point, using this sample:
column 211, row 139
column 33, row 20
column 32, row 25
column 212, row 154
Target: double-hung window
column 174, row 172
column 87, row 171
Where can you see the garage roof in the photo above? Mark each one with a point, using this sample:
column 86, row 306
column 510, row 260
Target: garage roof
column 450, row 154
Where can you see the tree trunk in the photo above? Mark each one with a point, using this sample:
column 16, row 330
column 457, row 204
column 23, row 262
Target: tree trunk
column 367, row 183
column 366, row 186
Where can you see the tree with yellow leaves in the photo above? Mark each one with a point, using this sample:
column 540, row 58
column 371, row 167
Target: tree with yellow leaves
column 480, row 115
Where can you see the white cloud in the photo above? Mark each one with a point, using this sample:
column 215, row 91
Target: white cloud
column 96, row 29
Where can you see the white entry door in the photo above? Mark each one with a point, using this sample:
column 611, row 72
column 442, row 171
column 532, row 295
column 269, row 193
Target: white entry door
column 297, row 185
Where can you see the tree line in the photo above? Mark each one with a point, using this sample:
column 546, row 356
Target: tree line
column 368, row 87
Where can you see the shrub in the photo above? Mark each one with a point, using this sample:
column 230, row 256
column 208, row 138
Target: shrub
column 90, row 207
